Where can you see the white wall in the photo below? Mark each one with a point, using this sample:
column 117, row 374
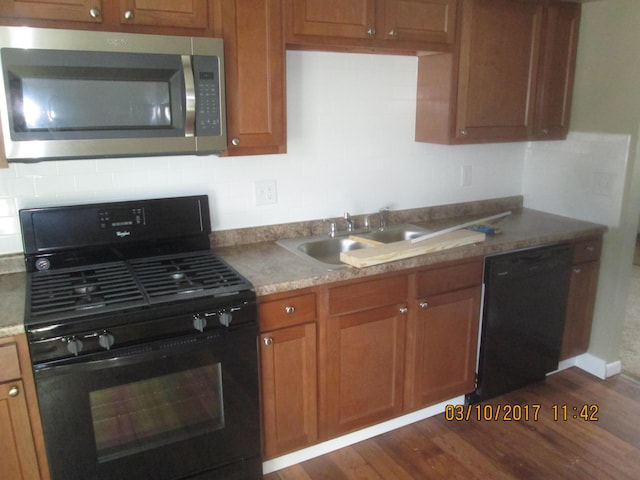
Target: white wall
column 350, row 148
column 582, row 177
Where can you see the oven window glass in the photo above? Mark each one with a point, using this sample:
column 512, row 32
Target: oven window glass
column 138, row 416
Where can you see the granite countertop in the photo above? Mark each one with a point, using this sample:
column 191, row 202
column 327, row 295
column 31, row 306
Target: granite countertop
column 12, row 291
column 273, row 269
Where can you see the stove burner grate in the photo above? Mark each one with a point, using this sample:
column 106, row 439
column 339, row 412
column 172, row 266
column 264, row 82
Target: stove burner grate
column 69, row 292
column 192, row 274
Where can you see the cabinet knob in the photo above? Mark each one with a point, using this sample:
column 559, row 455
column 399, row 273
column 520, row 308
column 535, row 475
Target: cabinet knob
column 393, row 33
column 464, row 133
column 14, row 391
column 371, row 32
column 289, row 310
column 268, row 341
column 545, row 131
column 128, row 14
column 403, row 310
column 424, row 304
column 577, row 270
column 590, row 248
column 95, row 13
column 235, row 142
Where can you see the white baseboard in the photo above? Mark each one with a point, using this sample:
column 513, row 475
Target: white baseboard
column 355, row 437
column 593, row 365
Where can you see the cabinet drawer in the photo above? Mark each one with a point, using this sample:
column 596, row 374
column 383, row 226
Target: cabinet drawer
column 10, row 366
column 587, row 250
column 287, row 311
column 367, row 294
column 450, row 278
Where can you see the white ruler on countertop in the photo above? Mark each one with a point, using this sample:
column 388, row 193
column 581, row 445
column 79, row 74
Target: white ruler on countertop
column 458, row 227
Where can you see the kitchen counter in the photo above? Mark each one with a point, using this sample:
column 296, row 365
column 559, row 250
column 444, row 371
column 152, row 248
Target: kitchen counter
column 273, row 269
column 12, row 291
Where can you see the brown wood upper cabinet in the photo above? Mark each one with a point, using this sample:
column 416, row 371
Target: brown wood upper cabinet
column 180, row 17
column 255, row 76
column 363, row 25
column 510, row 79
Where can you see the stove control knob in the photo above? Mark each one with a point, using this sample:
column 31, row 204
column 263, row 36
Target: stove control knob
column 106, row 340
column 199, row 322
column 73, row 345
column 225, row 318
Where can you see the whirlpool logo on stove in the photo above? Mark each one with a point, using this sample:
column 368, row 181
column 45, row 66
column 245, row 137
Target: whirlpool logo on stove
column 123, row 234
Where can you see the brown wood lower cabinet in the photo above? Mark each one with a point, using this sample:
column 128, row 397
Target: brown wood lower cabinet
column 583, row 284
column 20, row 428
column 288, row 364
column 444, row 338
column 364, row 365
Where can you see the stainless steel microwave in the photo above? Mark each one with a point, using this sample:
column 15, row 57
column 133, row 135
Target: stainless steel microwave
column 80, row 94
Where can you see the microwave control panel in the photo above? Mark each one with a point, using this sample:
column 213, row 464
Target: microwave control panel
column 206, row 74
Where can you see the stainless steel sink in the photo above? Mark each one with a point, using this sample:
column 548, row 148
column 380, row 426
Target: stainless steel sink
column 396, row 233
column 326, row 250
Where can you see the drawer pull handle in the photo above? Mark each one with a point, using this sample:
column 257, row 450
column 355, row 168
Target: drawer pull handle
column 268, row 341
column 14, row 391
column 290, row 310
column 424, row 304
column 403, row 310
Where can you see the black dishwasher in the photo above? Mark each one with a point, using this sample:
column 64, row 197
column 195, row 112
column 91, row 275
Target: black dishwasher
column 523, row 318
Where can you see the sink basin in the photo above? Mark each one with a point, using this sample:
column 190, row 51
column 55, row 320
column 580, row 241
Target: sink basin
column 326, row 250
column 396, row 233
column 323, row 250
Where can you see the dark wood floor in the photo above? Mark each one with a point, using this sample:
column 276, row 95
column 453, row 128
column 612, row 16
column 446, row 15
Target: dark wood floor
column 541, row 448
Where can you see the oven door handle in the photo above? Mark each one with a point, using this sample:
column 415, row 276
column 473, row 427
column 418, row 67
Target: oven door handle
column 128, row 356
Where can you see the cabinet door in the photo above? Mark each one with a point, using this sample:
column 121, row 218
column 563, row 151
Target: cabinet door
column 19, row 460
column 289, row 389
column 420, row 20
column 557, row 69
column 442, row 346
column 364, row 368
column 255, row 77
column 171, row 13
column 75, row 10
column 334, row 18
column 499, row 51
column 582, row 291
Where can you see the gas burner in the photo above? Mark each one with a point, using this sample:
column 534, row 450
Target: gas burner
column 85, row 289
column 89, row 302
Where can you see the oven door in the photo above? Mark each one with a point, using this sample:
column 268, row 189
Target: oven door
column 182, row 408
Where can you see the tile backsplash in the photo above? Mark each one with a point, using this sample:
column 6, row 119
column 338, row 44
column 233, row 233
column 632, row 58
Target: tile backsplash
column 351, row 147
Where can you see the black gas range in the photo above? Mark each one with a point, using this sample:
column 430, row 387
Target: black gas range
column 126, row 300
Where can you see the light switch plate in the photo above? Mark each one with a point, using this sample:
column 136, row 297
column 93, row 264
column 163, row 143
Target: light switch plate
column 266, row 192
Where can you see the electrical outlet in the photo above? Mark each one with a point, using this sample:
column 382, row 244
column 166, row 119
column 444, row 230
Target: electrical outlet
column 266, row 192
column 465, row 178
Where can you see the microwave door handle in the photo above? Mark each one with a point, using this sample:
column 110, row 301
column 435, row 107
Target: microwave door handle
column 190, row 97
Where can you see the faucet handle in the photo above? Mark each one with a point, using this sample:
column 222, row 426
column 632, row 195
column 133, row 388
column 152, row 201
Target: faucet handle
column 349, row 221
column 332, row 226
column 384, row 217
